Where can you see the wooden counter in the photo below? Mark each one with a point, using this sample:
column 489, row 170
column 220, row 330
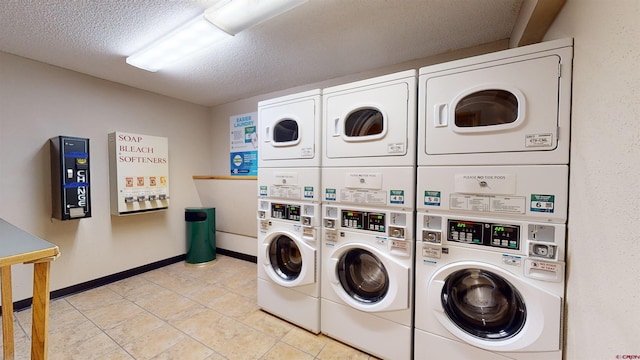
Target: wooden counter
column 18, row 246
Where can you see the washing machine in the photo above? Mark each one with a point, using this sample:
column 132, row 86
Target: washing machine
column 489, row 289
column 367, row 275
column 288, row 261
column 490, row 261
column 502, row 108
column 290, row 130
column 371, row 122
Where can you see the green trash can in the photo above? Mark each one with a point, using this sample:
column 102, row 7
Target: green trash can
column 201, row 235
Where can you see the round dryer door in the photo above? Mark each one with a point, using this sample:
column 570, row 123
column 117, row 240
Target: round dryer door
column 483, row 304
column 367, row 279
column 290, row 262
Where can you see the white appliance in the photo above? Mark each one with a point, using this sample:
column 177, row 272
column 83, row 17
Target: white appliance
column 367, row 291
column 489, row 289
column 490, row 255
column 371, row 122
column 290, row 129
column 297, row 184
column 288, row 261
column 378, row 187
column 507, row 107
column 538, row 192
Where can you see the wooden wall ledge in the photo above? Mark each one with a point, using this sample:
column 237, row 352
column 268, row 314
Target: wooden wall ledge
column 208, row 177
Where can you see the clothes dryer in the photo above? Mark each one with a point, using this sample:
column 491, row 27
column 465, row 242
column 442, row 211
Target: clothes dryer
column 288, row 261
column 489, row 289
column 371, row 122
column 289, row 131
column 507, row 107
column 367, row 291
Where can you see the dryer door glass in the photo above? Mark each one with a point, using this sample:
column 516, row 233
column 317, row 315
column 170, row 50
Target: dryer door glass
column 285, row 131
column 363, row 122
column 483, row 304
column 486, row 108
column 363, row 276
column 285, row 257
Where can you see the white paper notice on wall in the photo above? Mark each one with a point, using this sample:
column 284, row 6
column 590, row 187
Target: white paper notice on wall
column 138, row 173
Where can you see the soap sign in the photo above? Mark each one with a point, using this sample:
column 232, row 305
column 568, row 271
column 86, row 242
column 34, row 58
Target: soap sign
column 243, row 156
column 139, row 173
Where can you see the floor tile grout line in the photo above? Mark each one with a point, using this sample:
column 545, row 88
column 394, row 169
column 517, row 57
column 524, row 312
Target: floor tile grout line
column 240, row 291
column 164, row 321
column 100, row 328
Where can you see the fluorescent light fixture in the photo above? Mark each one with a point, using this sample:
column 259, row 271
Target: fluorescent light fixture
column 191, row 37
column 234, row 16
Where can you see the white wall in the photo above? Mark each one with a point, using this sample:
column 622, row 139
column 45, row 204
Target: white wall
column 39, row 101
column 603, row 292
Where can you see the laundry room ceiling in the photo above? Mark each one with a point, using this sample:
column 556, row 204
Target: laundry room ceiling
column 320, row 40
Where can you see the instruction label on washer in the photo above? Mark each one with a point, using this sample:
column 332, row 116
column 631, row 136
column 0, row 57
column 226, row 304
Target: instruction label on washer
column 372, row 197
column 431, row 252
column 542, row 203
column 512, row 260
column 485, row 183
column 488, row 203
column 285, row 192
column 264, row 190
column 363, row 180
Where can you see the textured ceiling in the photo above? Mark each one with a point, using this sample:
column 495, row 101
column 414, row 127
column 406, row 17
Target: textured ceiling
column 320, row 40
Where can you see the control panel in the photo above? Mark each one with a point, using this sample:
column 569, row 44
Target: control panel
column 304, row 214
column 394, row 224
column 285, row 211
column 484, row 233
column 362, row 220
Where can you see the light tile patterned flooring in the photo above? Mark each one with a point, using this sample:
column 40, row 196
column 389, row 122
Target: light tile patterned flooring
column 176, row 312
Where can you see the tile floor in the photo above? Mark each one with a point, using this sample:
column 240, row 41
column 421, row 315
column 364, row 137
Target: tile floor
column 176, row 312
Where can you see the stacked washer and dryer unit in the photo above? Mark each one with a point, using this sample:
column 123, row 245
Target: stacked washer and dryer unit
column 368, row 204
column 289, row 208
column 492, row 195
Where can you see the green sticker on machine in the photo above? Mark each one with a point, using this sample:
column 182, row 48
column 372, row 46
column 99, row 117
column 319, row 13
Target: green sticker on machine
column 330, row 194
column 542, row 203
column 432, row 198
column 308, row 192
column 396, row 196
